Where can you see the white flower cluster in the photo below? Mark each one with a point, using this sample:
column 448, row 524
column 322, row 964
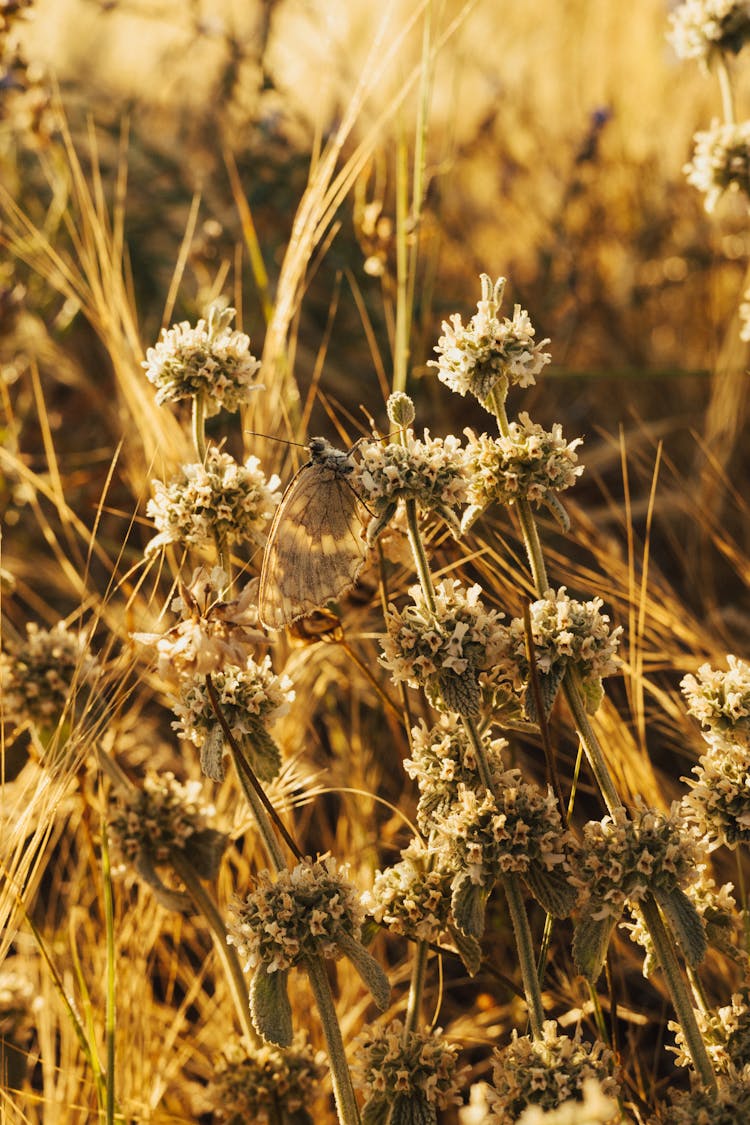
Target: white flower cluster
column 397, row 1069
column 701, row 27
column 413, row 897
column 476, row 357
column 39, row 678
column 163, row 814
column 721, row 161
column 219, row 502
column 267, row 1085
column 208, row 360
column 720, row 701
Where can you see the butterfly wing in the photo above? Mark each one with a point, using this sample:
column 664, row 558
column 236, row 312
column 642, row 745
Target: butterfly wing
column 316, row 546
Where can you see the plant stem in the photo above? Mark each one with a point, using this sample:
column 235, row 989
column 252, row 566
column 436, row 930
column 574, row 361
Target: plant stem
column 525, row 947
column 678, row 991
column 227, row 953
column 199, row 426
column 474, row 737
column 589, row 741
column 416, row 987
column 420, row 557
column 343, row 1091
column 111, row 1010
column 725, row 85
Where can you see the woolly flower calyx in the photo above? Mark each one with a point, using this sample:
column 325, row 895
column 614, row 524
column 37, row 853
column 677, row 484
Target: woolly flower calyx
column 701, row 28
column 720, row 701
column 721, row 161
column 729, row 1105
column 413, row 897
column 406, row 1076
column 546, row 1073
column 444, row 649
column 44, row 673
column 719, row 799
column 529, row 463
column 565, row 633
column 212, row 632
column 267, row 1085
column 250, row 698
column 219, row 502
column 726, row 1034
column 431, row 471
column 209, row 361
column 489, row 352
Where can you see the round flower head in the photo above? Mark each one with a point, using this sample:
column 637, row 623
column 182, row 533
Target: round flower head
column 565, row 633
column 729, row 1105
column 527, row 464
column 489, row 353
column 311, row 911
column 516, row 830
column 623, row 860
column 721, row 160
column 267, row 1086
column 432, row 472
column 442, row 758
column 720, row 701
column 209, row 360
column 217, row 503
column 44, row 673
column 212, row 632
column 164, row 817
column 413, row 897
column 719, row 797
column 726, row 1034
column 546, row 1073
column 701, row 28
column 407, row 1076
column 251, row 698
column 444, row 650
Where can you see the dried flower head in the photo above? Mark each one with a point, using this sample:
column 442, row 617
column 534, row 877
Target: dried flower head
column 208, row 360
column 529, row 463
column 728, row 1105
column 407, row 1075
column 413, row 897
column 720, row 701
column 700, row 28
column 442, row 758
column 217, row 503
column 489, row 353
column 42, row 677
column 444, row 649
column 251, row 698
column 212, row 632
column 546, row 1073
column 721, row 161
column 432, row 472
column 267, row 1086
column 565, row 633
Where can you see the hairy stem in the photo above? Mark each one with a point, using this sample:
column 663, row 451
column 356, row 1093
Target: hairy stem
column 525, row 947
column 343, row 1091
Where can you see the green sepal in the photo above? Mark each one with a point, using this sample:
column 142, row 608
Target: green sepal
column 262, row 752
column 550, row 889
column 270, row 1007
column 203, row 851
column 590, row 943
column 549, row 685
column 212, row 754
column 469, row 950
column 468, row 903
column 370, row 972
column 460, row 693
column 685, row 922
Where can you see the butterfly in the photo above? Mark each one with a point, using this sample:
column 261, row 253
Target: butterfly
column 317, row 544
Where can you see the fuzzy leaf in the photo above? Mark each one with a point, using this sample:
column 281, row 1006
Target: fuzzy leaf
column 593, row 694
column 212, row 754
column 380, row 522
column 460, row 693
column 549, row 685
column 590, row 944
column 470, row 516
column 413, row 1110
column 376, row 1111
column 469, row 950
column 370, row 972
column 451, row 519
column 555, row 508
column 270, row 1007
column 264, row 754
column 685, row 922
column 164, row 895
column 551, row 890
column 204, row 850
column 468, row 903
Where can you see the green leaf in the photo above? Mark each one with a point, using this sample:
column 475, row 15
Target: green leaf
column 376, row 1111
column 380, row 522
column 204, row 850
column 549, row 685
column 685, row 922
column 270, row 1007
column 590, row 944
column 468, row 903
column 370, row 972
column 555, row 508
column 551, row 889
column 264, row 754
column 593, row 694
column 469, row 950
column 460, row 693
column 413, row 1109
column 212, row 754
column 164, row 895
